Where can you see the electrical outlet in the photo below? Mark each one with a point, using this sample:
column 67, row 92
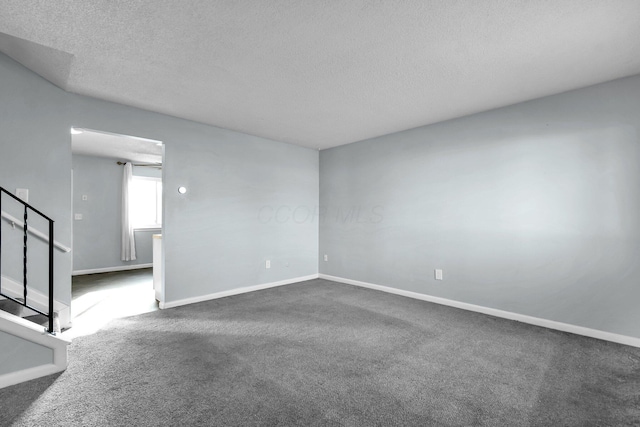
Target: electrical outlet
column 267, row 264
column 84, row 198
column 326, row 257
column 438, row 273
column 78, row 217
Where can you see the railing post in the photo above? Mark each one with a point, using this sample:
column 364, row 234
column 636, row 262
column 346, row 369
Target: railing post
column 51, row 276
column 24, row 251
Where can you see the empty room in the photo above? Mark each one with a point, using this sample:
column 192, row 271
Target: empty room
column 418, row 213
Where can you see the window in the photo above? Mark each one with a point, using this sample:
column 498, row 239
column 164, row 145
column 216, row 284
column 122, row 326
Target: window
column 145, row 202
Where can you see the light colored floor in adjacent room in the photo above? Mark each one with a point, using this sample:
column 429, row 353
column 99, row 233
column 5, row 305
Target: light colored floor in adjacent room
column 99, row 298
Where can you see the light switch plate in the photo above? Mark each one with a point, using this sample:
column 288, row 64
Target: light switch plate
column 23, row 194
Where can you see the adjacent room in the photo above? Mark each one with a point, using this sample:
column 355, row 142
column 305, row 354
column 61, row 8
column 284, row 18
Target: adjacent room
column 117, row 219
column 240, row 213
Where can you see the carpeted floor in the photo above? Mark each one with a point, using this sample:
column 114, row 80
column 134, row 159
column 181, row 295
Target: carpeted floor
column 322, row 353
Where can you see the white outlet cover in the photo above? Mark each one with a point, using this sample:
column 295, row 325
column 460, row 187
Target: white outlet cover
column 326, row 257
column 78, row 217
column 438, row 274
column 23, row 194
column 84, row 197
column 268, row 264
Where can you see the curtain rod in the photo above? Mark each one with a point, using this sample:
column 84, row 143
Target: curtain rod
column 148, row 165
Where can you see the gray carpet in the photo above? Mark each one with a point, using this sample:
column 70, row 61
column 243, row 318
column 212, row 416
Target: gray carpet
column 324, row 354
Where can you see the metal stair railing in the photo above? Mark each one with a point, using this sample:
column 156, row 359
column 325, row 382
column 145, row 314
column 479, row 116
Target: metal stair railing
column 26, row 230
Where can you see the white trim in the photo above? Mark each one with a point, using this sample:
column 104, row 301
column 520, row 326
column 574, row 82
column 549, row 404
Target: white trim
column 35, row 333
column 155, row 141
column 18, row 377
column 111, row 269
column 545, row 323
column 38, row 300
column 31, row 332
column 236, row 291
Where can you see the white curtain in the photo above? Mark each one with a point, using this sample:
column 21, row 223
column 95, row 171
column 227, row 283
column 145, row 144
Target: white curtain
column 128, row 238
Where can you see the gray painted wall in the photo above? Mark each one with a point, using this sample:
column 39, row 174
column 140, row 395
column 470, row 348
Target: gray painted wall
column 221, row 231
column 531, row 208
column 96, row 238
column 35, row 153
column 18, row 354
column 214, row 237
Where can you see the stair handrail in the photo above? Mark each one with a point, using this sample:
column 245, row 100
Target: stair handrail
column 50, row 238
column 39, row 234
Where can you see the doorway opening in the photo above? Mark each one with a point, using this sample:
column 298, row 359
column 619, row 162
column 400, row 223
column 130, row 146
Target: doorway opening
column 117, row 196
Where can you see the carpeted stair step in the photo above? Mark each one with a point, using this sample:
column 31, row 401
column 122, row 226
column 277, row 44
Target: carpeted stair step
column 12, row 307
column 16, row 309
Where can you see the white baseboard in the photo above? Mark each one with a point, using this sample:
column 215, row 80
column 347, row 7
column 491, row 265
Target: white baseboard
column 37, row 300
column 18, row 377
column 236, row 291
column 111, row 269
column 545, row 323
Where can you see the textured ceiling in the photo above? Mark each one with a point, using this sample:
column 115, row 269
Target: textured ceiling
column 120, row 147
column 323, row 73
